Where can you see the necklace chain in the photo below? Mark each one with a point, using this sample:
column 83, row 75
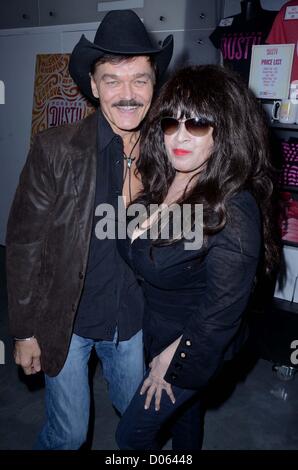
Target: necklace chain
column 130, row 159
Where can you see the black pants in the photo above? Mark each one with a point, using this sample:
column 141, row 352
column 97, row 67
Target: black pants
column 141, row 429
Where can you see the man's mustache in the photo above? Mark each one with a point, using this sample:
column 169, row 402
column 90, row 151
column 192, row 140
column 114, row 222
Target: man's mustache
column 127, row 103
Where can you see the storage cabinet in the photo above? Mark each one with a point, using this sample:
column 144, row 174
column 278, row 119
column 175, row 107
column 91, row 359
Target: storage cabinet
column 287, row 139
column 276, row 327
column 288, row 187
column 182, row 14
column 190, row 21
column 68, row 11
column 19, row 14
column 191, row 46
column 288, row 181
column 28, row 13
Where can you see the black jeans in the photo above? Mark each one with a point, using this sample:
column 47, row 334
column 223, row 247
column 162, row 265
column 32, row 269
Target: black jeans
column 141, row 429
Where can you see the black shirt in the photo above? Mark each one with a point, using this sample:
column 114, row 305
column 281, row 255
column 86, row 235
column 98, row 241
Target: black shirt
column 235, row 36
column 111, row 295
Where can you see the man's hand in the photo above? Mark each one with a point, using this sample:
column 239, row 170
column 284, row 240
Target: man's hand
column 27, row 355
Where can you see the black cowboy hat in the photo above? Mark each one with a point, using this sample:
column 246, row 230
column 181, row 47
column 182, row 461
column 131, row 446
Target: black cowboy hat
column 121, row 32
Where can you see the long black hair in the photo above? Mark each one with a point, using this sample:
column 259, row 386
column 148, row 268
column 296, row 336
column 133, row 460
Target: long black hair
column 240, row 157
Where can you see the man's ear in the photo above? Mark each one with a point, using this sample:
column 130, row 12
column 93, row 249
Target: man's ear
column 93, row 86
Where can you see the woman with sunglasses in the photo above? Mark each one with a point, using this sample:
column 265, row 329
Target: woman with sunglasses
column 205, row 143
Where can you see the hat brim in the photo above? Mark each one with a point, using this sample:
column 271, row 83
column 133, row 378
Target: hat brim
column 86, row 53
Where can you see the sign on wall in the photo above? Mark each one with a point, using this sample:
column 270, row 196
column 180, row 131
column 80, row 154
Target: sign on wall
column 270, row 70
column 57, row 100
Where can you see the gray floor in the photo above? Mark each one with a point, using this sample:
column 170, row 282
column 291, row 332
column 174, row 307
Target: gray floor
column 258, row 412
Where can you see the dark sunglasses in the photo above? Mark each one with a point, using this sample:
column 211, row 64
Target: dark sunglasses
column 195, row 126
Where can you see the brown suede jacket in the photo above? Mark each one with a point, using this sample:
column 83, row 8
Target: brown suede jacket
column 48, row 237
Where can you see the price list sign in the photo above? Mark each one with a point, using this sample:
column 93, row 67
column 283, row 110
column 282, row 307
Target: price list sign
column 270, row 70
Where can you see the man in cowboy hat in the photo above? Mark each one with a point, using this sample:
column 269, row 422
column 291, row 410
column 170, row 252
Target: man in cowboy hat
column 69, row 291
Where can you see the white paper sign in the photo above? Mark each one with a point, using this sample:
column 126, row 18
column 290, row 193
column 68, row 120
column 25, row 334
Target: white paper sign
column 226, row 22
column 270, row 70
column 291, row 13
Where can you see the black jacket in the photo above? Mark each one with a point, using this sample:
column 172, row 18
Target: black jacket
column 199, row 294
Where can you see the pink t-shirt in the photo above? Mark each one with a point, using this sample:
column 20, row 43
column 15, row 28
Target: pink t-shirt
column 285, row 31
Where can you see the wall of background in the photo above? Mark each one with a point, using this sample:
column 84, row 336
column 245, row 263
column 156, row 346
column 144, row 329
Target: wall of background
column 232, row 7
column 30, row 27
column 54, row 26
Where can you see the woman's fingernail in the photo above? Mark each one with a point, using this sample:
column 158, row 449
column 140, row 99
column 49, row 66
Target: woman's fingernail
column 146, row 407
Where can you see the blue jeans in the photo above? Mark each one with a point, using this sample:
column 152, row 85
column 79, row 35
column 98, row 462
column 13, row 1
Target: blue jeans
column 141, row 429
column 68, row 394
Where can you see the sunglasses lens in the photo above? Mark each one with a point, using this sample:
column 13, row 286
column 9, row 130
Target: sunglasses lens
column 197, row 127
column 194, row 126
column 169, row 125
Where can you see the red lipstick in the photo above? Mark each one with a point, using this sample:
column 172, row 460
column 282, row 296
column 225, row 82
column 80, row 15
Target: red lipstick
column 181, row 152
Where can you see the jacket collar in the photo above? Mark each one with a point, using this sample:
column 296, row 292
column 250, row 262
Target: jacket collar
column 93, row 128
column 84, row 138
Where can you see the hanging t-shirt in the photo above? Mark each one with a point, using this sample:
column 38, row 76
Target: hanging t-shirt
column 285, row 31
column 236, row 35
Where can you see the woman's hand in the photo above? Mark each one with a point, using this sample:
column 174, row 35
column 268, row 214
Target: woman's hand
column 155, row 383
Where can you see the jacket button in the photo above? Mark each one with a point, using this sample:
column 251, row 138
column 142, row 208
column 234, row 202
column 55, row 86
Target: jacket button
column 183, row 355
column 81, row 275
column 174, row 376
column 188, row 342
column 73, row 307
